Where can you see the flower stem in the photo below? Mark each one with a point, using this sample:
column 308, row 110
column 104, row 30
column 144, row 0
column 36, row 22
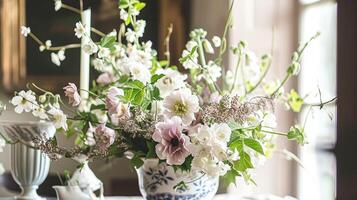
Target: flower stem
column 73, row 9
column 98, row 32
column 223, row 47
column 236, row 71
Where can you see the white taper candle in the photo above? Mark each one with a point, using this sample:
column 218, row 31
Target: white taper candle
column 85, row 58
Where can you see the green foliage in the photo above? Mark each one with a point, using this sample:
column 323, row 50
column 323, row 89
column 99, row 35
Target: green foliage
column 254, row 144
column 297, row 134
column 189, row 56
column 151, row 149
column 230, row 176
column 186, row 166
column 136, row 161
column 243, row 163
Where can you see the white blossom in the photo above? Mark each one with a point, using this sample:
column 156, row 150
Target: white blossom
column 90, row 48
column 56, row 58
column 103, row 52
column 222, row 132
column 140, row 27
column 171, row 81
column 123, row 14
column 208, row 47
column 40, row 112
column 24, row 101
column 216, row 41
column 47, row 45
column 191, row 62
column 79, row 30
column 211, row 72
column 25, row 30
column 101, row 65
column 130, row 35
column 140, row 72
column 181, row 103
column 101, row 115
column 59, row 118
column 58, row 5
column 90, row 140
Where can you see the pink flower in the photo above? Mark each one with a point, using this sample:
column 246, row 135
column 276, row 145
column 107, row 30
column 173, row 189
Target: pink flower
column 106, row 78
column 104, row 136
column 172, row 143
column 71, row 92
column 112, row 99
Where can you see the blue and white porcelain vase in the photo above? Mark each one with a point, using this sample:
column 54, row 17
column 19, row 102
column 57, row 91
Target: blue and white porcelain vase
column 158, row 181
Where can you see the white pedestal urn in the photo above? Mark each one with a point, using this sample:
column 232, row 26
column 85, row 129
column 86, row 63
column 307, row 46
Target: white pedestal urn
column 29, row 166
column 157, row 182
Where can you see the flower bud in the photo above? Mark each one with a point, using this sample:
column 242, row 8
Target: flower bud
column 242, row 44
column 42, row 98
column 295, row 56
column 208, row 47
column 294, row 68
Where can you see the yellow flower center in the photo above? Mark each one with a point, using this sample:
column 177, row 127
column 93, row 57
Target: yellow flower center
column 180, row 108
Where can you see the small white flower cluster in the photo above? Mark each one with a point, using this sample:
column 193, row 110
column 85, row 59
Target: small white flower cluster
column 209, row 71
column 26, row 102
column 210, row 150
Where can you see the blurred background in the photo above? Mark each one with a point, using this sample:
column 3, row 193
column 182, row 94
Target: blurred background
column 268, row 26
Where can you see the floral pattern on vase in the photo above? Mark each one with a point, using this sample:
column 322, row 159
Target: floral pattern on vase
column 157, row 182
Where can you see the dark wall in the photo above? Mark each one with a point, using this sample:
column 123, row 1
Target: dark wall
column 346, row 147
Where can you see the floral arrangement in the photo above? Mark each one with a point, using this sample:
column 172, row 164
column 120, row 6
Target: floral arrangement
column 196, row 117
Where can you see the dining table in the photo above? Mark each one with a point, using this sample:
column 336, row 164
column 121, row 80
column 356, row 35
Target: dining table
column 218, row 197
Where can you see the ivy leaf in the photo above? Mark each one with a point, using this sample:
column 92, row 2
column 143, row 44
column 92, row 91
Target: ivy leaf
column 236, row 144
column 295, row 101
column 243, row 163
column 230, row 176
column 297, row 134
column 254, row 144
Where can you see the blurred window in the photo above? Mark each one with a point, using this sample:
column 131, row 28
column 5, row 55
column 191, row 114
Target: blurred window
column 317, row 180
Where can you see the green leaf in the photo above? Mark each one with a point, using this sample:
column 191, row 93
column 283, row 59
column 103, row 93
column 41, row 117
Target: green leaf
column 97, row 107
column 186, row 166
column 108, row 41
column 136, row 85
column 156, row 77
column 254, row 144
column 184, row 59
column 138, row 97
column 151, row 149
column 243, row 163
column 156, row 94
column 139, row 6
column 136, row 161
column 236, row 144
column 296, row 134
column 230, row 176
column 123, row 4
column 127, row 21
